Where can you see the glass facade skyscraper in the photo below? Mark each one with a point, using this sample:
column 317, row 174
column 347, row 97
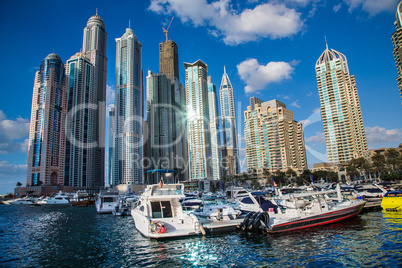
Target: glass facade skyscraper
column 230, row 141
column 129, row 98
column 81, row 142
column 397, row 43
column 198, row 132
column 214, row 127
column 47, row 128
column 340, row 108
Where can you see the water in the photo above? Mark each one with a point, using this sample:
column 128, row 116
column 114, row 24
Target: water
column 55, row 236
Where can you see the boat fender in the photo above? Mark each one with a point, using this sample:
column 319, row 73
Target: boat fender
column 251, row 221
column 246, row 220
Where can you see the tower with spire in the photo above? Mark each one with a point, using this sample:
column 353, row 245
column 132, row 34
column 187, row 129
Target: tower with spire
column 397, row 43
column 340, row 108
column 230, row 149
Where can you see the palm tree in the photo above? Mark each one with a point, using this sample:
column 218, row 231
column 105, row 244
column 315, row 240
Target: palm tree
column 352, row 171
column 392, row 156
column 290, row 172
column 379, row 163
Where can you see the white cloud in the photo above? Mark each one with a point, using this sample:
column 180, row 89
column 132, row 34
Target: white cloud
column 337, row 7
column 9, row 176
column 378, row 134
column 318, row 138
column 257, row 76
column 373, row 7
column 272, row 20
column 11, row 133
column 294, row 104
column 109, row 95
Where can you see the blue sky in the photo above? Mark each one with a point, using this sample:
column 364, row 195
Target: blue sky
column 269, row 49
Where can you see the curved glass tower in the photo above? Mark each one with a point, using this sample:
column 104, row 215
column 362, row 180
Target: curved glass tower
column 47, row 128
column 397, row 43
column 340, row 108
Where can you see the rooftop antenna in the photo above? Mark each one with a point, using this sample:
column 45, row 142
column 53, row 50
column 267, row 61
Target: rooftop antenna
column 165, row 31
column 224, row 69
column 129, row 24
column 96, row 11
column 326, row 41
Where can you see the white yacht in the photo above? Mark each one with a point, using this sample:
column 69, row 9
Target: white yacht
column 106, row 201
column 58, row 199
column 22, row 201
column 159, row 214
column 216, row 209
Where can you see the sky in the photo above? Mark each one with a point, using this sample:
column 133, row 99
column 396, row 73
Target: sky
column 269, row 49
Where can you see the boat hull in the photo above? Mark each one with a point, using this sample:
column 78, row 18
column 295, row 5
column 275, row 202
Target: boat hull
column 317, row 220
column 392, row 203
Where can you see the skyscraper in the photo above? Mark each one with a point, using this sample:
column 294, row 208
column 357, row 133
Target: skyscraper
column 128, row 153
column 94, row 48
column 169, row 65
column 274, row 140
column 340, row 108
column 397, row 42
column 112, row 117
column 81, row 140
column 47, row 129
column 198, row 132
column 214, row 127
column 230, row 155
column 160, row 147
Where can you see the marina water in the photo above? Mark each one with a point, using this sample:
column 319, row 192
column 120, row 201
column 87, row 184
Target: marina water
column 64, row 236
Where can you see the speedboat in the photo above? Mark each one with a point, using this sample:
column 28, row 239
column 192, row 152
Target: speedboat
column 125, row 204
column 216, row 210
column 392, row 201
column 159, row 214
column 106, row 201
column 316, row 209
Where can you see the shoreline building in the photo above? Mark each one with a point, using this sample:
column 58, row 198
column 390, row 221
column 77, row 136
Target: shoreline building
column 94, row 48
column 169, row 65
column 214, row 127
column 197, row 110
column 129, row 118
column 274, row 140
column 47, row 128
column 340, row 108
column 230, row 149
column 397, row 43
column 81, row 142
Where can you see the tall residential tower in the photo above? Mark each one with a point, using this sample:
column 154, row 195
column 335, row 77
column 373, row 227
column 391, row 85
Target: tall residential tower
column 397, row 42
column 214, row 127
column 340, row 108
column 230, row 157
column 128, row 129
column 47, row 128
column 198, row 132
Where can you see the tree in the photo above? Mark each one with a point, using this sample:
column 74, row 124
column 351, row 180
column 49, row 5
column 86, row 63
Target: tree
column 392, row 156
column 352, row 171
column 19, row 184
column 290, row 172
column 379, row 163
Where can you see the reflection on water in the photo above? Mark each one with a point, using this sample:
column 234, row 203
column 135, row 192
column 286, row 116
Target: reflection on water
column 51, row 236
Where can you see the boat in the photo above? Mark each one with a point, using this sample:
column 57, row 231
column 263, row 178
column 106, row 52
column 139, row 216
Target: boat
column 125, row 204
column 58, row 199
column 106, row 201
column 191, row 204
column 82, row 199
column 159, row 214
column 392, row 201
column 216, row 209
column 316, row 209
column 21, row 201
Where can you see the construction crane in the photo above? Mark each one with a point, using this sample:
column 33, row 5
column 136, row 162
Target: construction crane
column 165, row 31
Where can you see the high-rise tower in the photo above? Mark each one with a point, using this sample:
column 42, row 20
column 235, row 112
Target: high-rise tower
column 94, row 48
column 340, row 108
column 128, row 153
column 47, row 128
column 214, row 127
column 230, row 157
column 112, row 117
column 198, row 132
column 397, row 42
column 81, row 140
column 274, row 140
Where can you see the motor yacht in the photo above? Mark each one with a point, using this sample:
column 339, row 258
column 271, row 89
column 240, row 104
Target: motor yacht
column 159, row 214
column 106, row 201
column 392, row 201
column 22, row 201
column 58, row 199
column 216, row 209
column 316, row 209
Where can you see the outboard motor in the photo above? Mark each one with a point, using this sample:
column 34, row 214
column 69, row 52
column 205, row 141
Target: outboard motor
column 251, row 221
column 246, row 220
column 261, row 221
